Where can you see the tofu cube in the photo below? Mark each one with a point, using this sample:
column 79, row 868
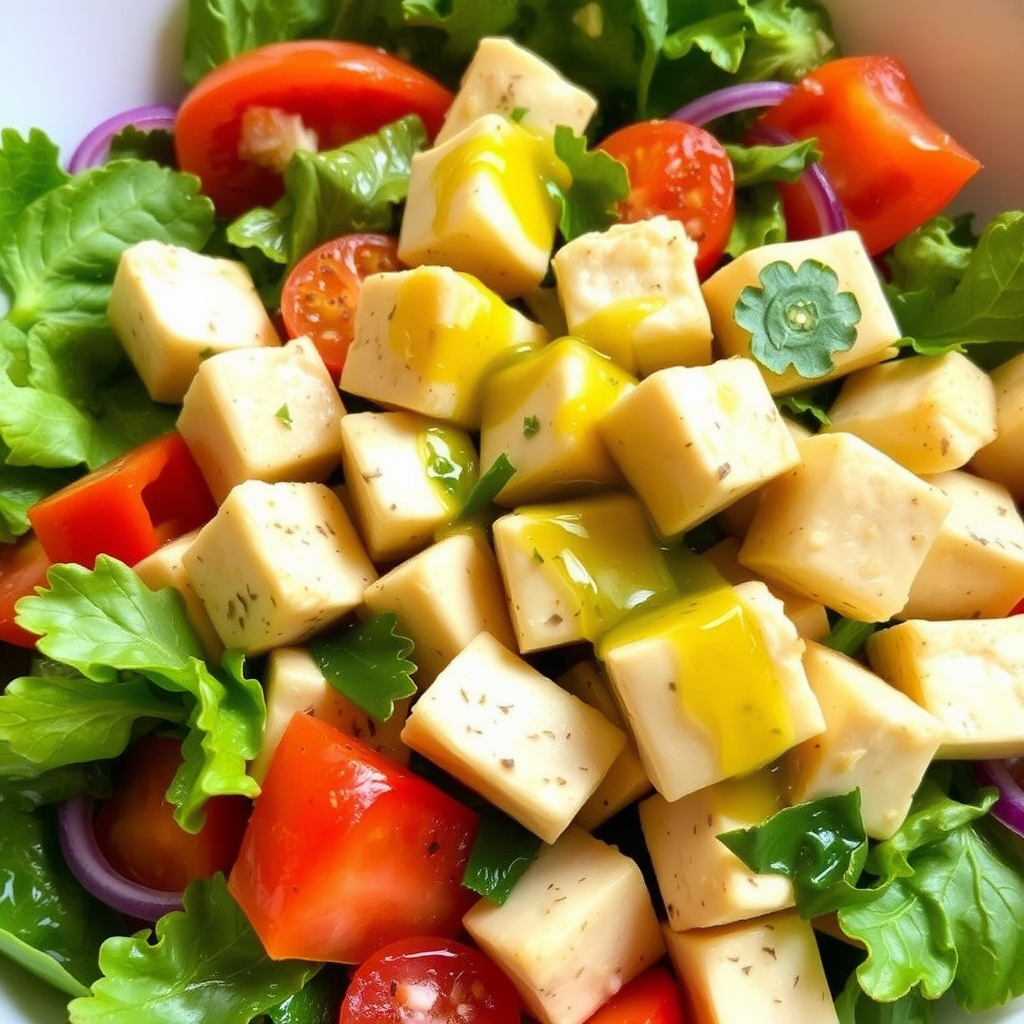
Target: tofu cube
column 481, row 202
column 975, row 568
column 578, row 925
column 1000, row 459
column 444, row 596
column 426, row 338
column 573, row 569
column 968, row 673
column 711, row 685
column 407, row 476
column 505, row 78
column 849, row 527
column 702, row 882
column 277, row 563
column 500, row 727
column 542, row 412
column 171, row 308
column 877, row 330
column 876, row 739
column 767, row 970
column 268, row 414
column 632, row 292
column 692, row 440
column 295, row 685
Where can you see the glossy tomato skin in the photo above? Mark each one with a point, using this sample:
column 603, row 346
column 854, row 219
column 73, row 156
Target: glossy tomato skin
column 891, row 165
column 136, row 831
column 683, row 172
column 448, row 982
column 23, row 567
column 320, row 293
column 341, row 90
column 653, row 997
column 346, row 851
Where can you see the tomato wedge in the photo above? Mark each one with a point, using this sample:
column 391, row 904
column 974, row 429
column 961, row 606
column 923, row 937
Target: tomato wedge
column 891, row 165
column 340, row 90
column 320, row 294
column 653, row 997
column 23, row 567
column 683, row 172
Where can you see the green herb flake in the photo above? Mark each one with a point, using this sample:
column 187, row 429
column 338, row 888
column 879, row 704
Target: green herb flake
column 516, row 114
column 284, row 416
column 487, row 487
column 531, row 424
column 538, row 557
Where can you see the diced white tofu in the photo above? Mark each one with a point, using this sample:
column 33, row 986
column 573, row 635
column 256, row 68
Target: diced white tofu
column 541, row 411
column 1000, row 460
column 444, row 596
column 171, row 308
column 969, row 673
column 573, row 569
column 426, row 338
column 876, row 739
column 692, row 440
column 766, row 970
column 505, row 730
column 632, row 292
column 975, row 568
column 295, row 685
column 626, row 780
column 263, row 414
column 702, row 882
column 711, row 685
column 849, row 527
column 578, row 925
column 505, row 78
column 930, row 413
column 277, row 563
column 877, row 330
column 481, row 202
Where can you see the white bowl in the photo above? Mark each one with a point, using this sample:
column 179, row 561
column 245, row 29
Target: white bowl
column 65, row 65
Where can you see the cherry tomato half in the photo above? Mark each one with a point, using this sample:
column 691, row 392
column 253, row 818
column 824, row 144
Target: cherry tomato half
column 320, row 294
column 681, row 171
column 431, row 981
column 340, row 90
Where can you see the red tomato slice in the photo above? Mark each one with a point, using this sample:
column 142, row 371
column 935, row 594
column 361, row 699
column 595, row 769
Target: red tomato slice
column 23, row 567
column 341, row 90
column 137, row 833
column 681, row 171
column 1018, row 608
column 320, row 294
column 653, row 997
column 891, row 165
column 347, row 851
column 429, row 980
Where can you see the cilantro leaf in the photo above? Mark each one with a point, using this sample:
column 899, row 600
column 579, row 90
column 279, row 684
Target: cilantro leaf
column 501, row 853
column 798, row 317
column 368, row 664
column 599, row 181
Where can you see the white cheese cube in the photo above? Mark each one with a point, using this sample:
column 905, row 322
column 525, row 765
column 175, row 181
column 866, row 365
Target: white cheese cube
column 481, row 202
column 171, row 308
column 541, row 411
column 263, row 414
column 929, row 413
column 766, row 970
column 505, row 78
column 691, row 440
column 573, row 569
column 517, row 738
column 295, row 685
column 632, row 292
column 702, row 882
column 969, row 673
column 426, row 338
column 876, row 739
column 578, row 925
column 444, row 596
column 1000, row 460
column 849, row 527
column 877, row 330
column 711, row 685
column 975, row 568
column 277, row 563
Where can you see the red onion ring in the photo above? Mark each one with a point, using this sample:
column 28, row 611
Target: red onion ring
column 1009, row 807
column 731, row 100
column 93, row 149
column 93, row 870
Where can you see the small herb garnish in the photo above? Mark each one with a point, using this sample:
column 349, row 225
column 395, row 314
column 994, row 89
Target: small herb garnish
column 798, row 317
column 518, row 113
column 487, row 487
column 501, row 853
column 531, row 424
column 284, row 416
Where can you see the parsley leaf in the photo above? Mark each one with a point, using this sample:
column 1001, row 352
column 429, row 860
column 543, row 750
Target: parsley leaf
column 798, row 317
column 531, row 424
column 598, row 183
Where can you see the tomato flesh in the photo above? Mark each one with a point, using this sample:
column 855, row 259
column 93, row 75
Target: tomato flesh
column 653, row 997
column 23, row 567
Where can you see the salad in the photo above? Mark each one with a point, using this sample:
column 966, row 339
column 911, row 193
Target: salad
column 506, row 774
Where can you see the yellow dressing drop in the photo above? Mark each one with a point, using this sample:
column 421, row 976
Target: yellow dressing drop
column 612, row 328
column 450, row 462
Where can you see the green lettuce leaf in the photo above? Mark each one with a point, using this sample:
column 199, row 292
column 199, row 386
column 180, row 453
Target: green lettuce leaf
column 854, row 1007
column 501, row 853
column 29, row 168
column 753, row 165
column 598, row 183
column 848, row 636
